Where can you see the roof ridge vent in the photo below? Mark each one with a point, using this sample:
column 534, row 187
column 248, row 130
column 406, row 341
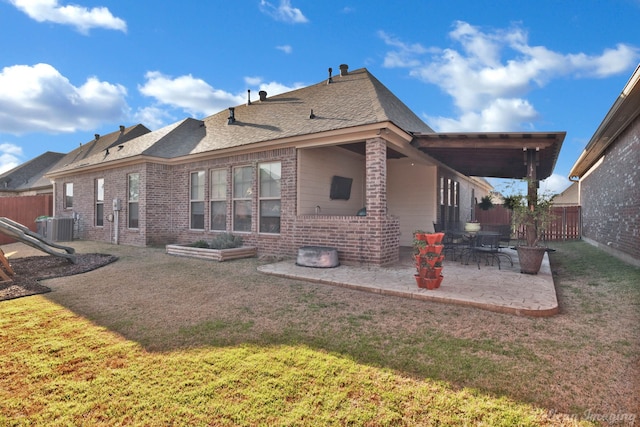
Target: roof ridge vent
column 344, row 69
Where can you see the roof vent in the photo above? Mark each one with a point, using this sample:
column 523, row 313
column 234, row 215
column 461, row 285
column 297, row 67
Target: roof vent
column 122, row 129
column 312, row 116
column 97, row 136
column 232, row 116
column 248, row 96
column 263, row 95
column 344, row 69
column 330, row 78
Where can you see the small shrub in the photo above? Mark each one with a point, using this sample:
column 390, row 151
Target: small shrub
column 226, row 241
column 199, row 244
column 486, row 203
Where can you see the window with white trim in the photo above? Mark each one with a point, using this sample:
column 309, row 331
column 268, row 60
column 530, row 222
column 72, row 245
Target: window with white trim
column 100, row 202
column 68, row 195
column 269, row 197
column 196, row 207
column 242, row 193
column 218, row 199
column 133, row 198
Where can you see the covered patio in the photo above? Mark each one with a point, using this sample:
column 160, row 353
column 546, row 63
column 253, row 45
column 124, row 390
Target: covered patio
column 530, row 156
column 504, row 290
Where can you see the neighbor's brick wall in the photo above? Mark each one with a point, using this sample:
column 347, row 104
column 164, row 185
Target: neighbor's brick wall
column 610, row 196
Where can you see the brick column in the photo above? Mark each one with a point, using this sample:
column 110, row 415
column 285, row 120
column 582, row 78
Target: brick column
column 376, row 164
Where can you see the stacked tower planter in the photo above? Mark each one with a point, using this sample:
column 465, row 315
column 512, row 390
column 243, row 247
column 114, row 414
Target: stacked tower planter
column 429, row 260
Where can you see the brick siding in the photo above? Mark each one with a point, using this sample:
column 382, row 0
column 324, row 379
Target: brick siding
column 610, row 196
column 164, row 208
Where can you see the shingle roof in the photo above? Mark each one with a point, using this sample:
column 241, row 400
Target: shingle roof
column 92, row 151
column 351, row 100
column 30, row 175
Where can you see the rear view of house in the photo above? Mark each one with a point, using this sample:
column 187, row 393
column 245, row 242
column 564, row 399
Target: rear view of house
column 332, row 164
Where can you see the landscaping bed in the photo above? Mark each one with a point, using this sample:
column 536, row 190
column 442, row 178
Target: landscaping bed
column 212, row 254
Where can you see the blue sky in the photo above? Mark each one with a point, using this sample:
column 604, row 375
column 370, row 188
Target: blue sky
column 70, row 70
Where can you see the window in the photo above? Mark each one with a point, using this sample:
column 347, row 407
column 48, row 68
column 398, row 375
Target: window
column 242, row 192
column 133, row 199
column 218, row 185
column 68, row 195
column 197, row 201
column 449, row 214
column 99, row 202
column 269, row 195
column 456, row 194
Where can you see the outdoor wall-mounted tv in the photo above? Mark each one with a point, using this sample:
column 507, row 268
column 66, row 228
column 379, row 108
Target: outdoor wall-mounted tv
column 340, row 188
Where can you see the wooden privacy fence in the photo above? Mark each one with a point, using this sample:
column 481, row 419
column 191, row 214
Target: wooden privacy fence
column 567, row 223
column 25, row 210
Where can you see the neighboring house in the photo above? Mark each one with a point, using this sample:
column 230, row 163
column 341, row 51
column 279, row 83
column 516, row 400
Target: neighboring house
column 569, row 197
column 608, row 176
column 342, row 163
column 28, row 178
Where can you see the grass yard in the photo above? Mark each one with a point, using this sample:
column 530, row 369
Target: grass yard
column 158, row 340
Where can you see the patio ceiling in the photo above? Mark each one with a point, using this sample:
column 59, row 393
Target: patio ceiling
column 493, row 155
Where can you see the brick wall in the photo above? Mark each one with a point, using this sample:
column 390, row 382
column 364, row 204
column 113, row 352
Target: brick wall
column 164, row 208
column 610, row 196
column 84, row 205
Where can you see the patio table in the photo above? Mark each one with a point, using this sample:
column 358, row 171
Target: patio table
column 485, row 244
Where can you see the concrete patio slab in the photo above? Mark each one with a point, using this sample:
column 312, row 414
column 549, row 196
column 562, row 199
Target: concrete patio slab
column 504, row 290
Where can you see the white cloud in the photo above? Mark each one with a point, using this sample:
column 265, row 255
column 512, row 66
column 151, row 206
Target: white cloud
column 153, row 117
column 404, row 55
column 555, row 184
column 10, row 155
column 501, row 114
column 39, row 99
column 82, row 18
column 193, row 95
column 253, row 81
column 283, row 12
column 491, row 72
column 197, row 97
column 285, row 48
column 272, row 88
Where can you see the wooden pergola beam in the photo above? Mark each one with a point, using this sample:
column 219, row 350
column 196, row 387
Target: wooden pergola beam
column 481, row 143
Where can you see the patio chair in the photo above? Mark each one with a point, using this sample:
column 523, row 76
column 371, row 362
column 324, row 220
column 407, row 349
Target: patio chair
column 487, row 246
column 454, row 244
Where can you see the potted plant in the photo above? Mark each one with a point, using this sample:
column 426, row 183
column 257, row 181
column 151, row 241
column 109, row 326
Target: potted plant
column 472, row 226
column 532, row 215
column 428, row 257
column 419, row 243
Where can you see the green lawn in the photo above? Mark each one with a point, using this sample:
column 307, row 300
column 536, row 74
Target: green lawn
column 68, row 360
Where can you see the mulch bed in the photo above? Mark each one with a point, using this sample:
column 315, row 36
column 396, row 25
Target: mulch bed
column 30, row 270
